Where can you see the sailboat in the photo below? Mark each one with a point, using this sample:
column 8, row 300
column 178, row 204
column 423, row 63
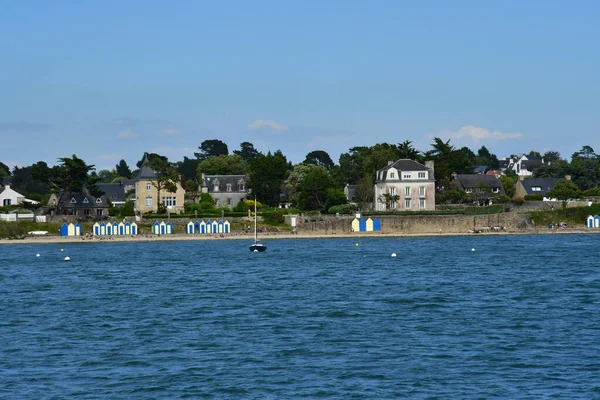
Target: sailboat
column 257, row 246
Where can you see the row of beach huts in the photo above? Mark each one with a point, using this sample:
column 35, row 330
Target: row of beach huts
column 192, row 227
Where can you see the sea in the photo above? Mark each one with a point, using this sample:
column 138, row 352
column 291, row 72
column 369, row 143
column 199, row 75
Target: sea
column 463, row 317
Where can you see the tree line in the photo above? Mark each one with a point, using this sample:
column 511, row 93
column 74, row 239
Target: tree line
column 316, row 183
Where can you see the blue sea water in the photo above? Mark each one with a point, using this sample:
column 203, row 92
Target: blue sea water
column 518, row 318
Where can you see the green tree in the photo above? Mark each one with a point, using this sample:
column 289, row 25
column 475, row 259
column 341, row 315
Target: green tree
column 564, row 190
column 335, row 197
column 266, row 176
column 509, row 183
column 166, row 179
column 364, row 192
column 408, row 151
column 388, row 199
column 4, row 170
column 551, row 156
column 247, row 151
column 23, row 182
column 222, row 165
column 319, row 158
column 210, row 148
column 188, row 169
column 122, row 169
column 315, row 189
column 71, row 175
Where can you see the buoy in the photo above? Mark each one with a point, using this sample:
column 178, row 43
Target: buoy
column 393, row 254
column 37, row 255
column 67, row 258
column 62, row 249
column 357, row 244
column 473, row 249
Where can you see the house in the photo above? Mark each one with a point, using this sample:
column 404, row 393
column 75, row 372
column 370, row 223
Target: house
column 524, row 166
column 350, row 192
column 79, row 204
column 114, row 192
column 226, row 190
column 146, row 194
column 481, row 188
column 405, row 185
column 539, row 186
column 9, row 197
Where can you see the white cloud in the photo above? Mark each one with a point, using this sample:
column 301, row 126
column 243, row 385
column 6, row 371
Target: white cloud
column 476, row 133
column 268, row 124
column 127, row 134
column 168, row 132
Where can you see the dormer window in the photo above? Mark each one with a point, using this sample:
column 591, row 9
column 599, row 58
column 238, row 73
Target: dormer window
column 98, row 200
column 392, row 175
column 73, row 201
column 407, row 175
column 422, row 175
column 228, row 186
column 242, row 187
column 495, row 190
column 85, row 200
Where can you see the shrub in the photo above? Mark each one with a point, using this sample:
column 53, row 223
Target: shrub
column 127, row 209
column 273, row 217
column 342, row 209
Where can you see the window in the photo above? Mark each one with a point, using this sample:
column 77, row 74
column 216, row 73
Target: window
column 99, row 212
column 422, row 175
column 216, row 187
column 392, row 191
column 73, row 201
column 229, row 202
column 148, row 187
column 407, row 175
column 407, row 204
column 148, row 201
column 85, row 200
column 536, row 188
column 6, row 202
column 242, row 188
column 422, row 191
column 421, row 203
column 407, row 192
column 99, row 200
column 169, row 201
column 495, row 190
column 468, row 190
column 392, row 175
column 229, row 187
column 86, row 212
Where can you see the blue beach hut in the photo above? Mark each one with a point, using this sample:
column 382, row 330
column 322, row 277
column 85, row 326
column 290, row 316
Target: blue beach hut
column 189, row 228
column 169, row 227
column 64, row 230
column 156, row 228
column 376, row 224
column 77, row 229
column 134, row 228
column 590, row 221
column 226, row 226
column 96, row 229
column 103, row 228
column 362, row 225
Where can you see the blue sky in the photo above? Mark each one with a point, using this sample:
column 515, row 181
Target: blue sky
column 108, row 80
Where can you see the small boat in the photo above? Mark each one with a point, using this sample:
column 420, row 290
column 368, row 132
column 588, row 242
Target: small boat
column 257, row 246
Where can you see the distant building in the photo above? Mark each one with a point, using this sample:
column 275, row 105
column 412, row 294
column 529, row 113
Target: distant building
column 114, row 192
column 540, row 186
column 409, row 185
column 226, row 190
column 78, row 204
column 146, row 193
column 481, row 188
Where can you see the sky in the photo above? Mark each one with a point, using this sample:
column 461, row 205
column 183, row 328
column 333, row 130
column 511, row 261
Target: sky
column 110, row 80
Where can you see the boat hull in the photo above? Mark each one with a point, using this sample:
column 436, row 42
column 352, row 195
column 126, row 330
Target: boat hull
column 257, row 247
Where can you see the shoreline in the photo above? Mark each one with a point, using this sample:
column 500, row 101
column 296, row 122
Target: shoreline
column 266, row 236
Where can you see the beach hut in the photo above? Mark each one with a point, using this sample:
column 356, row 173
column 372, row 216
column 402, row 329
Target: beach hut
column 196, row 227
column 134, row 228
column 103, row 228
column 115, row 228
column 226, row 227
column 77, row 229
column 376, row 224
column 127, row 228
column 369, row 225
column 208, row 227
column 220, row 226
column 355, row 225
column 64, row 230
column 121, row 229
column 202, row 227
column 169, row 227
column 590, row 221
column 362, row 225
column 96, row 229
column 189, row 229
column 215, row 227
column 156, row 228
column 597, row 221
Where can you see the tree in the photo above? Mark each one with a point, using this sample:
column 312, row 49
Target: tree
column 388, row 199
column 564, row 190
column 407, row 150
column 585, row 152
column 106, row 176
column 166, row 179
column 23, row 182
column 266, row 176
column 509, row 183
column 4, row 170
column 213, row 147
column 364, row 192
column 150, row 156
column 71, row 175
column 247, row 151
column 222, row 165
column 551, row 156
column 123, row 169
column 315, row 189
column 319, row 158
column 188, row 169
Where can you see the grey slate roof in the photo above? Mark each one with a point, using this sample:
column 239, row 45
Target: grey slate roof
column 145, row 172
column 471, row 181
column 480, row 169
column 402, row 165
column 115, row 192
column 83, row 200
column 223, row 181
column 545, row 184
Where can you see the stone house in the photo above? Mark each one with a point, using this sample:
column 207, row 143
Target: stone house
column 226, row 190
column 146, row 194
column 481, row 188
column 82, row 205
column 405, row 185
column 539, row 186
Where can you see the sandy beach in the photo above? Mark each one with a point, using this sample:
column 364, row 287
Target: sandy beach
column 279, row 235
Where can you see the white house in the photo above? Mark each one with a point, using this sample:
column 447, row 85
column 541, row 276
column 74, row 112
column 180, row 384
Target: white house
column 9, row 197
column 405, row 185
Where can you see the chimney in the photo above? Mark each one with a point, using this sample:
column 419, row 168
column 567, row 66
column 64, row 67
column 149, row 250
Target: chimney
column 390, row 162
column 429, row 164
column 521, row 177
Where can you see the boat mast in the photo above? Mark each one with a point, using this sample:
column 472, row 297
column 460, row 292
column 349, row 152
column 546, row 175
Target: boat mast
column 255, row 236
